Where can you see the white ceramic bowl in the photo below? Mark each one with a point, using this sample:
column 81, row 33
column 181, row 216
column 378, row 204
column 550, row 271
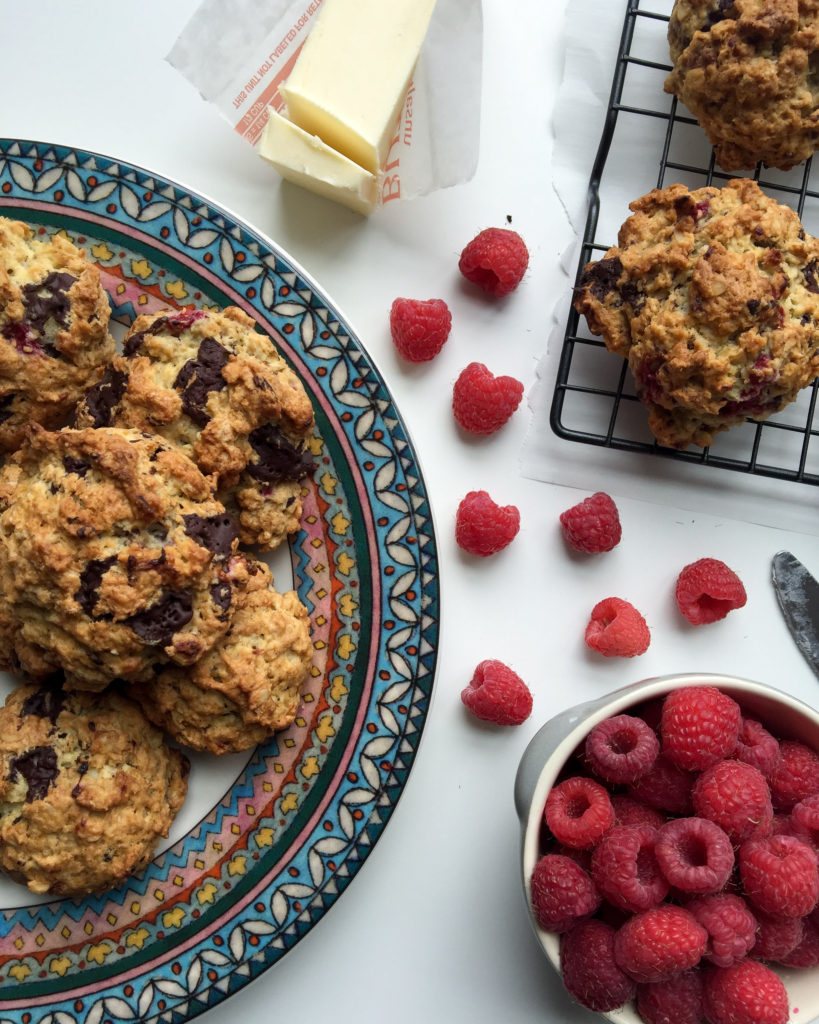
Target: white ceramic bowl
column 551, row 746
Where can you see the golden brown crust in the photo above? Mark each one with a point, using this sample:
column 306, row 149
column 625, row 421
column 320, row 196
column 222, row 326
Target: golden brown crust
column 87, row 788
column 712, row 296
column 747, row 70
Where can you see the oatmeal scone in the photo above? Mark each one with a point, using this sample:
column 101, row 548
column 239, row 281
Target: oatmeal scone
column 54, row 338
column 87, row 789
column 248, row 686
column 114, row 556
column 748, row 70
column 712, row 296
column 211, row 383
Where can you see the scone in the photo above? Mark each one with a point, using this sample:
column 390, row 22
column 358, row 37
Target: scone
column 712, row 296
column 54, row 338
column 87, row 788
column 747, row 71
column 246, row 687
column 214, row 385
column 114, row 556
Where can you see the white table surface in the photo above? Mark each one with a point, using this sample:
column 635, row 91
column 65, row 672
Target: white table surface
column 434, row 926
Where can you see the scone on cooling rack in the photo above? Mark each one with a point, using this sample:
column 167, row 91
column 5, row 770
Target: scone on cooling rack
column 114, row 556
column 248, row 686
column 712, row 296
column 215, row 386
column 54, row 339
column 747, row 70
column 87, row 788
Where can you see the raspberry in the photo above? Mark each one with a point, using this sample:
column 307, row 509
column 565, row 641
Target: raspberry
column 747, row 993
column 806, row 952
column 699, row 726
column 780, row 875
column 482, row 527
column 562, row 893
column 794, row 776
column 628, row 811
column 589, row 970
column 665, row 787
column 676, row 1001
column 578, row 811
column 707, row 590
column 736, row 796
column 617, row 630
column 805, row 816
column 482, row 402
column 756, row 746
column 497, row 694
column 419, row 327
column 694, row 854
column 496, row 260
column 625, row 869
column 593, row 525
column 776, row 936
column 730, row 925
column 621, row 748
column 660, row 942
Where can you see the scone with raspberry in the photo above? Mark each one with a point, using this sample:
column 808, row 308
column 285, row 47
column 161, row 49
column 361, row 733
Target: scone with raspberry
column 54, row 339
column 712, row 296
column 212, row 384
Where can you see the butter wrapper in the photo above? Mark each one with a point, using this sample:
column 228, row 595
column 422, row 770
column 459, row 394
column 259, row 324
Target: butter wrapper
column 237, row 53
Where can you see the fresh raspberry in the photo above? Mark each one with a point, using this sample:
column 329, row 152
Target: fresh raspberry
column 562, row 893
column 776, row 936
column 730, row 925
column 625, row 869
column 497, row 694
column 805, row 817
column 665, row 787
column 621, row 748
column 806, row 952
column 589, row 970
column 617, row 630
column 780, row 875
column 496, row 260
column 676, row 1001
column 699, row 726
column 736, row 796
column 419, row 327
column 694, row 854
column 660, row 942
column 578, row 811
column 707, row 590
column 482, row 402
column 593, row 525
column 630, row 811
column 747, row 993
column 794, row 776
column 482, row 527
column 756, row 746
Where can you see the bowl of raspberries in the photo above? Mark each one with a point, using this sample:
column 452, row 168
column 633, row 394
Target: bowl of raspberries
column 670, row 851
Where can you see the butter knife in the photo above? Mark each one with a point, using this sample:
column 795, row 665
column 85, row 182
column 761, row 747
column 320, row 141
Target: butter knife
column 798, row 595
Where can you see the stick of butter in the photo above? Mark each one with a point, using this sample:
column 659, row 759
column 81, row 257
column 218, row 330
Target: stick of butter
column 351, row 78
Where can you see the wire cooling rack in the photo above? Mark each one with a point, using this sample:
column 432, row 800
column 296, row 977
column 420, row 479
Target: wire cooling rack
column 594, row 400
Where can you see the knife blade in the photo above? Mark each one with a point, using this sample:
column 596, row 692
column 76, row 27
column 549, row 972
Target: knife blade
column 798, row 595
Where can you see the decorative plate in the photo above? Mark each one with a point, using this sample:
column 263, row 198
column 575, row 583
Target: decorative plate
column 290, row 827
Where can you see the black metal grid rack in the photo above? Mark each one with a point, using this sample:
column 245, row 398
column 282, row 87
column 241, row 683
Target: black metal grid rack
column 594, row 400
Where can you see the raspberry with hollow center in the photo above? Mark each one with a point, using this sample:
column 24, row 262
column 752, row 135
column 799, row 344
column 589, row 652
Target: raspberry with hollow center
column 617, row 630
column 495, row 260
column 699, row 726
column 561, row 892
column 660, row 942
column 676, row 1001
column 707, row 590
column 482, row 402
column 794, row 776
column 482, row 527
column 694, row 855
column 780, row 875
column 589, row 969
column 497, row 694
column 593, row 525
column 747, row 993
column 578, row 811
column 736, row 796
column 419, row 327
column 730, row 925
column 625, row 869
column 621, row 748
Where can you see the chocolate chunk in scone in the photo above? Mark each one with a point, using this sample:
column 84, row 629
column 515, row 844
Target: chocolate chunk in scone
column 711, row 295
